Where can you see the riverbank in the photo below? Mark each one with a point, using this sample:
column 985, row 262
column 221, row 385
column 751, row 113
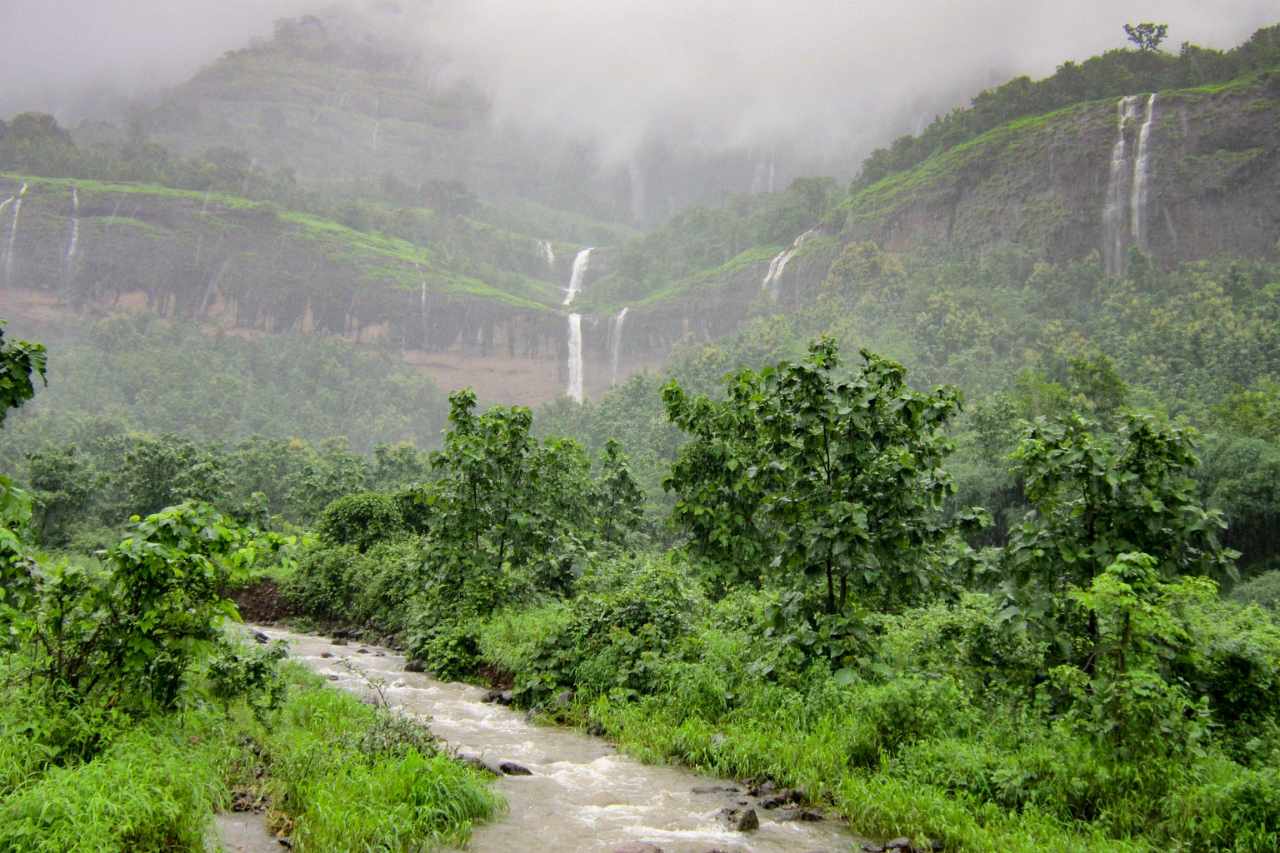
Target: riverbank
column 327, row 771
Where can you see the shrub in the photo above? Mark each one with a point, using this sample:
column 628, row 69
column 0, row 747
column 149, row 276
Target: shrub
column 360, row 520
column 321, row 586
column 1264, row 590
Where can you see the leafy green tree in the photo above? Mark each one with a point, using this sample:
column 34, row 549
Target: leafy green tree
column 19, row 361
column 837, row 482
column 1094, row 497
column 506, row 510
column 617, row 502
column 160, row 471
column 1146, row 36
column 63, row 486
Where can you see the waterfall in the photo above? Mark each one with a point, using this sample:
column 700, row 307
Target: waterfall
column 575, row 357
column 1113, row 215
column 779, row 263
column 13, row 235
column 75, row 228
column 548, row 253
column 424, row 315
column 377, row 128
column 1138, row 196
column 580, row 266
column 616, row 344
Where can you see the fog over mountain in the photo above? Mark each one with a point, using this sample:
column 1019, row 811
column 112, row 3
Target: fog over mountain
column 834, row 75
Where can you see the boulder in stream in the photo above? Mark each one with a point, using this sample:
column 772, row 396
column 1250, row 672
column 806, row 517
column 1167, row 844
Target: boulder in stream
column 740, row 820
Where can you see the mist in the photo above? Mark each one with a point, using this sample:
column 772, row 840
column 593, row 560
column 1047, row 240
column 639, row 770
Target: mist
column 824, row 76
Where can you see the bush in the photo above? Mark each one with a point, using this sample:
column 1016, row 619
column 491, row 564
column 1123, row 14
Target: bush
column 321, row 585
column 360, row 520
column 1264, row 590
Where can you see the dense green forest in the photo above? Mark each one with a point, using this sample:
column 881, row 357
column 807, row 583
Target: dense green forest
column 977, row 548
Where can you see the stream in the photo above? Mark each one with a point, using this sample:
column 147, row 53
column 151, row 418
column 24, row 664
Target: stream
column 582, row 794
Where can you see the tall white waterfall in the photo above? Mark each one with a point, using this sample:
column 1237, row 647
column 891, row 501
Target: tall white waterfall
column 1140, row 191
column 575, row 357
column 423, row 313
column 74, row 242
column 548, row 253
column 616, row 345
column 1118, row 183
column 779, row 264
column 580, row 266
column 13, row 235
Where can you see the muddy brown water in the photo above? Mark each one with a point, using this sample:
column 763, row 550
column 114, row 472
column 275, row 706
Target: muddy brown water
column 582, row 794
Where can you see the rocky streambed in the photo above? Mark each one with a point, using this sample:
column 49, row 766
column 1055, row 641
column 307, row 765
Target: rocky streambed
column 568, row 791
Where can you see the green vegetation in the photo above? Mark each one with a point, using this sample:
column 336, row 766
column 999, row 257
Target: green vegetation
column 821, row 620
column 129, row 715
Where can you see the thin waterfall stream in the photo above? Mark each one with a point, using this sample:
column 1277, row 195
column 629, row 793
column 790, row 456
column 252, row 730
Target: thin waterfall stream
column 575, row 357
column 581, row 794
column 616, row 345
column 13, row 235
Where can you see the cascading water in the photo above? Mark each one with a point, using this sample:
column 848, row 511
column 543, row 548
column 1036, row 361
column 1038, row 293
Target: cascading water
column 548, row 253
column 1118, row 182
column 581, row 264
column 616, row 345
column 1140, row 191
column 779, row 264
column 13, row 235
column 575, row 357
column 423, row 312
column 580, row 794
column 74, row 242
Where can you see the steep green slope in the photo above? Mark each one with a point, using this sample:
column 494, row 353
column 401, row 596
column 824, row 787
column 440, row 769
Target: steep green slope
column 250, row 264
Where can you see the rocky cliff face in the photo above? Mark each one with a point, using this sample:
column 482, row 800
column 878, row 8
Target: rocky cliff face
column 250, row 267
column 1057, row 187
column 1042, row 183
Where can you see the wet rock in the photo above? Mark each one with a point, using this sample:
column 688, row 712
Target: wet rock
column 872, row 848
column 333, row 676
column 326, row 654
column 339, row 641
column 564, row 699
column 415, row 666
column 362, row 651
column 285, row 841
column 595, row 729
column 499, row 697
column 740, row 820
column 260, row 638
column 801, row 815
column 714, row 789
column 901, row 843
column 510, row 768
column 784, row 797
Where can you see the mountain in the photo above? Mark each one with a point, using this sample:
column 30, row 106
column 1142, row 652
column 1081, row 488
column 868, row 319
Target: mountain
column 471, row 286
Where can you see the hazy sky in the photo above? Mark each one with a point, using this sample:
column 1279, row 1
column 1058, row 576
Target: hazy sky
column 714, row 72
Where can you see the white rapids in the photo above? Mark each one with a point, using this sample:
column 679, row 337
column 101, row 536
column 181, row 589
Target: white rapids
column 583, row 795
